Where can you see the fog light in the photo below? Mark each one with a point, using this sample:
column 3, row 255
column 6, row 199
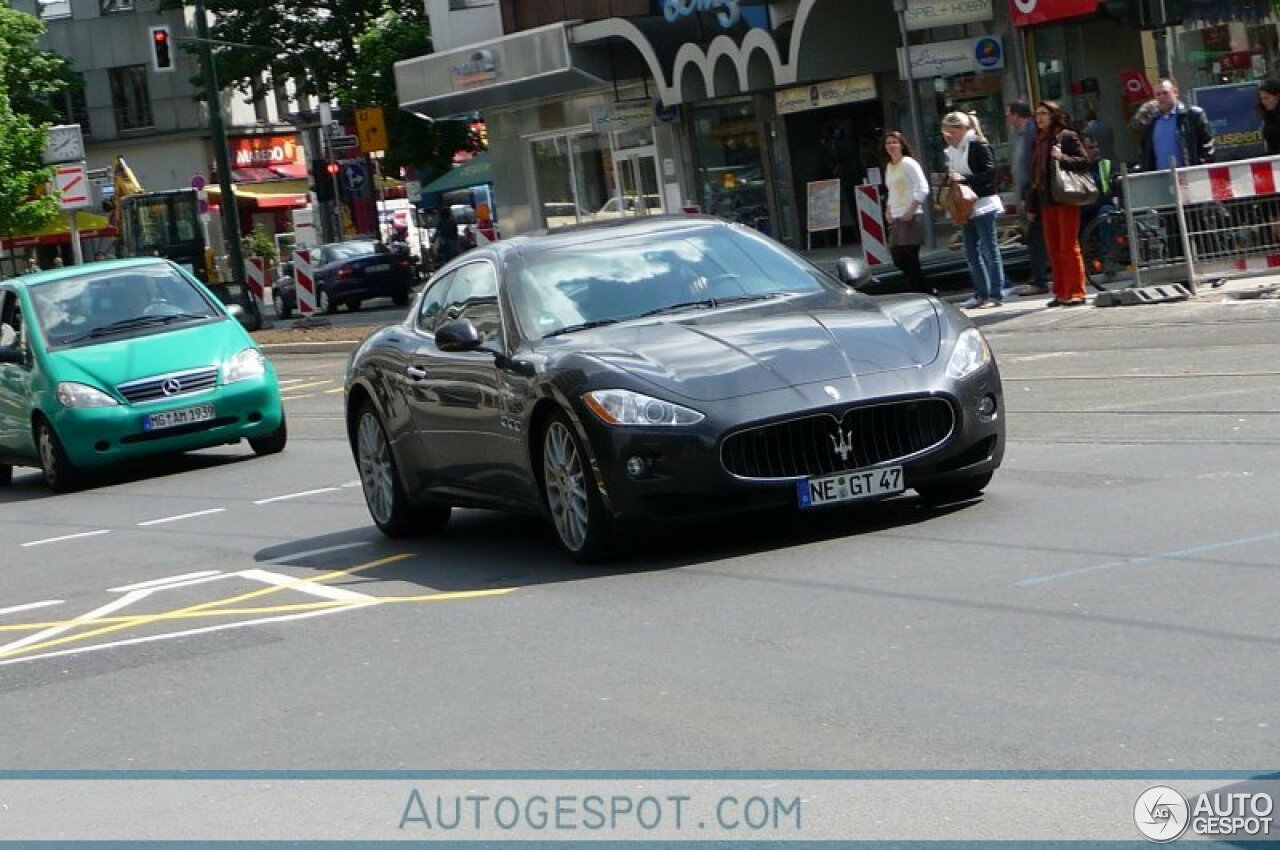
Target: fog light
column 637, row 467
column 987, row 406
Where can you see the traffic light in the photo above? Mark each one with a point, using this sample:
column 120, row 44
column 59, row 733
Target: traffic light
column 322, row 176
column 161, row 49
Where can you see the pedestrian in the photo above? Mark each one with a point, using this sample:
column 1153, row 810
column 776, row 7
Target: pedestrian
column 971, row 163
column 1022, row 142
column 908, row 191
column 1269, row 112
column 1061, row 222
column 57, row 261
column 1100, row 130
column 446, row 236
column 32, row 266
column 1173, row 131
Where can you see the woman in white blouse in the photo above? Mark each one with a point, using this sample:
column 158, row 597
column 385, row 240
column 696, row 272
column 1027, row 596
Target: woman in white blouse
column 908, row 191
column 971, row 163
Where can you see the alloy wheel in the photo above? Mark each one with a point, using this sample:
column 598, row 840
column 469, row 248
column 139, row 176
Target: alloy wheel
column 375, row 468
column 566, row 486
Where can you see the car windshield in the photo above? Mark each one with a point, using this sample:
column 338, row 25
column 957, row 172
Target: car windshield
column 350, row 250
column 91, row 308
column 586, row 284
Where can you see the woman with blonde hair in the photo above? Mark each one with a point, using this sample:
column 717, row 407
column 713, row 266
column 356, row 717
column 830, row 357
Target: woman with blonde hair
column 970, row 162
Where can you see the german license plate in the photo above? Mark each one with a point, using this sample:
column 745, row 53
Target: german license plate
column 174, row 418
column 378, row 267
column 849, row 486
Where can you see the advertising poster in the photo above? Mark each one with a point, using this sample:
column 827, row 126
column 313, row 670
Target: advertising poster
column 1233, row 117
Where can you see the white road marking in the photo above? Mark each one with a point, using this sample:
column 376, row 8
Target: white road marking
column 334, row 392
column 292, row 381
column 355, row 483
column 324, row 591
column 31, row 606
column 68, row 537
column 290, row 496
column 182, row 516
column 292, row 556
column 160, row 582
column 53, row 631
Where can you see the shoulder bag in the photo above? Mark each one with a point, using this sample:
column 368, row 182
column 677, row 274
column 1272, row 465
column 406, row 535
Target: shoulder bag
column 1076, row 188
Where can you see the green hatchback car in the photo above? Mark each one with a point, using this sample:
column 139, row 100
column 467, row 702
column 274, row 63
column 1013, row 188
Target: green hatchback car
column 108, row 362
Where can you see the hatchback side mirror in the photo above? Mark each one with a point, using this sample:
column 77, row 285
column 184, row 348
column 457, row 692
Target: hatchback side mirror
column 853, row 272
column 458, row 335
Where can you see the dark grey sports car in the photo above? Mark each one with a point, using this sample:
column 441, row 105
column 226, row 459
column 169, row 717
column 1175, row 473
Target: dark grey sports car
column 664, row 368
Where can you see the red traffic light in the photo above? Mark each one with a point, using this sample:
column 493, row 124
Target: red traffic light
column 161, row 56
column 161, row 37
column 332, row 168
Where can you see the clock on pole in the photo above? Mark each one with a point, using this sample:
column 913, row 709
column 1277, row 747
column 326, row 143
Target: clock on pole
column 65, row 144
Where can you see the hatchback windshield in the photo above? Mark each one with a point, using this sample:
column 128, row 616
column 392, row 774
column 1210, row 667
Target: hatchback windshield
column 97, row 307
column 615, row 279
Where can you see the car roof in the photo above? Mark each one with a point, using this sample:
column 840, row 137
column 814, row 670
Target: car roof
column 598, row 231
column 52, row 275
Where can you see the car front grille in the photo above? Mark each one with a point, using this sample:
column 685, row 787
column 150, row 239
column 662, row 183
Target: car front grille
column 169, row 385
column 828, row 443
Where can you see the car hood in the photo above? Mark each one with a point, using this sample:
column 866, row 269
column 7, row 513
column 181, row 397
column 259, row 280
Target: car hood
column 119, row 360
column 746, row 351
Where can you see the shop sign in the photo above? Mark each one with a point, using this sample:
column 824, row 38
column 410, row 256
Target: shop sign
column 925, row 14
column 480, row 68
column 948, row 58
column 1029, row 12
column 622, row 117
column 263, row 151
column 727, row 11
column 830, row 93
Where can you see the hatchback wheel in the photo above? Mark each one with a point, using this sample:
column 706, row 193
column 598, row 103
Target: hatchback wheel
column 60, row 475
column 573, row 501
column 380, row 481
column 323, row 304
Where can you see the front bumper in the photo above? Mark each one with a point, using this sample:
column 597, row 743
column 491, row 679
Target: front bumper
column 101, row 436
column 686, row 477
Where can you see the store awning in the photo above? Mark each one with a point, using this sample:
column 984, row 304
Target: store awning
column 58, row 231
column 269, row 195
column 473, row 172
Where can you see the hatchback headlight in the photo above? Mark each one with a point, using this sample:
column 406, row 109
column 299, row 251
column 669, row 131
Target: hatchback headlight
column 970, row 354
column 74, row 395
column 245, row 365
column 623, row 407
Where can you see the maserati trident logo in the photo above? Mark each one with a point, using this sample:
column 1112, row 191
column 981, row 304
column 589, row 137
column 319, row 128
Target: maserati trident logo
column 844, row 445
column 171, row 386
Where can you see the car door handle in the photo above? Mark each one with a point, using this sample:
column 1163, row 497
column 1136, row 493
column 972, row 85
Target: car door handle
column 416, row 373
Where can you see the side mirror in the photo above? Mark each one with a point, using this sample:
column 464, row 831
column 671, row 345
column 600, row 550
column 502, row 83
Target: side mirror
column 458, row 335
column 853, row 272
column 12, row 354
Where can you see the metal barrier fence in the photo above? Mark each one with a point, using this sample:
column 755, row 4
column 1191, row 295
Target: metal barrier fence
column 1204, row 222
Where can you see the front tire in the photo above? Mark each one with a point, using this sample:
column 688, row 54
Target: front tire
column 273, row 443
column 571, row 494
column 323, row 302
column 60, row 474
column 380, row 480
column 954, row 489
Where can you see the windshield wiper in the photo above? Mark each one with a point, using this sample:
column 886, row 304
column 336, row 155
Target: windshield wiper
column 135, row 322
column 583, row 326
column 706, row 303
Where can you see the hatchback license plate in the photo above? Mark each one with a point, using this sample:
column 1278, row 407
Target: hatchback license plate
column 378, row 267
column 849, row 486
column 173, row 418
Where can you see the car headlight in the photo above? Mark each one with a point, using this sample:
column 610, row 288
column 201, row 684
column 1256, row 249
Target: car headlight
column 970, row 354
column 74, row 395
column 623, row 407
column 245, row 365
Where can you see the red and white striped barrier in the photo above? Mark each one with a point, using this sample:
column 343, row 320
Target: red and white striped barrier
column 256, row 277
column 1248, row 178
column 304, row 281
column 875, row 244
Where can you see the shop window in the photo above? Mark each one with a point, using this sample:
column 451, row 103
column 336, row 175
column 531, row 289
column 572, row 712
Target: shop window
column 730, row 166
column 130, row 97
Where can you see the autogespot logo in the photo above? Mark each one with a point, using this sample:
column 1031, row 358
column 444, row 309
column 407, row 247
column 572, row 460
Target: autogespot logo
column 1161, row 813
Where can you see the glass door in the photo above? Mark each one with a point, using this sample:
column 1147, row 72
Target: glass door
column 639, row 191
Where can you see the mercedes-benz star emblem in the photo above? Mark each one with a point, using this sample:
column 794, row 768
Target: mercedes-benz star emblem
column 171, row 386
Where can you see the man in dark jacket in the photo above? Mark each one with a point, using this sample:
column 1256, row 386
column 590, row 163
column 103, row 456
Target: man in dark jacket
column 1175, row 131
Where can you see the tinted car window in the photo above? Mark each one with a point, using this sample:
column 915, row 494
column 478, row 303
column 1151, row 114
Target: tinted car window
column 622, row 278
column 473, row 294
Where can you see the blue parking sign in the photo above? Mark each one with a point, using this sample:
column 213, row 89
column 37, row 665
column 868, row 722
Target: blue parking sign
column 354, row 177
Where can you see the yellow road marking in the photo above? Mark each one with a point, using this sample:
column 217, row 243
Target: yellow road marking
column 293, row 388
column 145, row 619
column 332, row 392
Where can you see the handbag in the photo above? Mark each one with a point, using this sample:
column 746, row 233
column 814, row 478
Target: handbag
column 957, row 201
column 902, row 232
column 1076, row 188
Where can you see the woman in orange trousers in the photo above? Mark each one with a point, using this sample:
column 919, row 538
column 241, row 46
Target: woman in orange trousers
column 1060, row 222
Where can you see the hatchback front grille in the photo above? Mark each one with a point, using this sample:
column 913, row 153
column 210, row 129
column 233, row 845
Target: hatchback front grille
column 824, row 444
column 169, row 385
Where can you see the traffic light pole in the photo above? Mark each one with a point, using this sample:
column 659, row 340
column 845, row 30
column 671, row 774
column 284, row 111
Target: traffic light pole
column 227, row 199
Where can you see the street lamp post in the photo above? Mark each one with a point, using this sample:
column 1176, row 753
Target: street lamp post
column 900, row 6
column 227, row 201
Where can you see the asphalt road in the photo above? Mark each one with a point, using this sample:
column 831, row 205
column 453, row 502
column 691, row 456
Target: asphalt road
column 1110, row 603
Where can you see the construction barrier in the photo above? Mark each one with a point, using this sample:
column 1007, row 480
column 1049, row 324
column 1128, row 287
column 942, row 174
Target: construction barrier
column 1205, row 222
column 304, row 282
column 256, row 277
column 875, row 242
